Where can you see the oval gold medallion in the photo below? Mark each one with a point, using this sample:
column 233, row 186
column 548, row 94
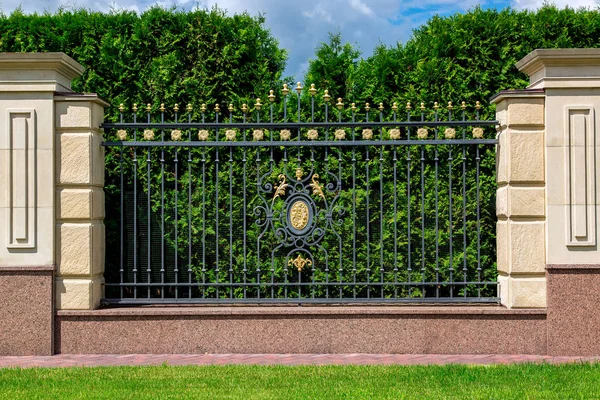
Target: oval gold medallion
column 299, row 215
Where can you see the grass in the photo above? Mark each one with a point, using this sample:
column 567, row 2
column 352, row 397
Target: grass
column 524, row 381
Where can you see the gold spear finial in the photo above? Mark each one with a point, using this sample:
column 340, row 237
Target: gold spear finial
column 244, row 108
column 435, row 105
column 299, row 88
column 285, row 90
column 394, row 106
column 271, row 96
column 258, row 106
column 189, row 108
column 203, row 108
column 450, row 106
column 422, row 106
column 477, row 105
column 217, row 108
column 463, row 105
column 121, row 107
column 148, row 107
column 230, row 108
column 408, row 106
column 353, row 108
column 381, row 108
column 339, row 104
column 326, row 96
column 367, row 107
column 176, row 108
column 312, row 90
column 134, row 108
column 162, row 107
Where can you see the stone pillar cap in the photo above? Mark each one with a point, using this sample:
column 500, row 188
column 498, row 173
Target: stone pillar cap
column 562, row 68
column 39, row 72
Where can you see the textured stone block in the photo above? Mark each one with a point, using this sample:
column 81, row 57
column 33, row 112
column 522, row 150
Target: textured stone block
column 74, row 160
column 525, row 112
column 502, row 158
column 526, row 158
column 503, row 290
column 527, row 292
column 73, row 114
column 527, row 247
column 527, row 202
column 502, row 202
column 80, row 204
column 78, row 294
column 80, row 249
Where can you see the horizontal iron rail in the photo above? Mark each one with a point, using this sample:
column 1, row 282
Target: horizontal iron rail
column 289, row 125
column 376, row 284
column 305, row 143
column 301, row 300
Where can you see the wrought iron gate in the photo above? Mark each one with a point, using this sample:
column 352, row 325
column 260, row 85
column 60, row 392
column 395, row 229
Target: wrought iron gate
column 312, row 206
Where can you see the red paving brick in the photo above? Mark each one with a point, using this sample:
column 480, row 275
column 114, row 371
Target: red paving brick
column 92, row 360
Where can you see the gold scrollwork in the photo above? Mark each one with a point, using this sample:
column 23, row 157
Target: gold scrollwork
column 280, row 189
column 299, row 262
column 316, row 186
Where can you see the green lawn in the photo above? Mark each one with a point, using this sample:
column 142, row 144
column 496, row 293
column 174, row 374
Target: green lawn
column 530, row 381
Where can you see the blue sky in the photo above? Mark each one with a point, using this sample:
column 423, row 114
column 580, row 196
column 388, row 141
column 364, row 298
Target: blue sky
column 300, row 25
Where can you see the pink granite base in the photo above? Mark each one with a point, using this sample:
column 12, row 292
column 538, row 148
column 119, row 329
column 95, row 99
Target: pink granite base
column 26, row 310
column 414, row 330
column 573, row 309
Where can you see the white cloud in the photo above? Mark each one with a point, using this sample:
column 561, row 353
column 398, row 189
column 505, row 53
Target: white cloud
column 534, row 4
column 361, row 7
column 319, row 12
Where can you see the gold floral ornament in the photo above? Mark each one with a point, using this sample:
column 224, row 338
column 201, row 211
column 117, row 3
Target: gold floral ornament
column 285, row 134
column 203, row 134
column 176, row 134
column 394, row 134
column 422, row 133
column 148, row 134
column 340, row 134
column 312, row 134
column 450, row 133
column 477, row 133
column 258, row 134
column 230, row 135
column 299, row 262
column 122, row 134
column 367, row 134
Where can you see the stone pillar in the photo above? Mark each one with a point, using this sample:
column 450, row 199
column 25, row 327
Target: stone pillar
column 520, row 199
column 79, row 201
column 570, row 79
column 28, row 83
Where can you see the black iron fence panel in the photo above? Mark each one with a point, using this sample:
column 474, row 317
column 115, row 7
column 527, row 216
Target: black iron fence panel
column 269, row 206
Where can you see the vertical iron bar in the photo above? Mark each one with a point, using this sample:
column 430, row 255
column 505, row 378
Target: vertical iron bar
column 121, row 209
column 231, row 213
column 148, row 268
column 285, row 163
column 368, row 269
column 339, row 189
column 451, row 260
column 408, row 238
column 464, row 193
column 423, row 211
column 381, row 269
column 354, row 216
column 176, row 161
column 395, row 159
column 325, row 183
column 189, row 205
column 162, row 205
column 477, row 161
column 203, row 214
column 217, row 278
column 272, row 162
column 244, row 160
column 258, row 270
column 135, row 167
column 437, row 220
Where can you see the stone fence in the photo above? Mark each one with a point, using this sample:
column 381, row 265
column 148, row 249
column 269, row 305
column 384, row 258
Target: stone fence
column 52, row 240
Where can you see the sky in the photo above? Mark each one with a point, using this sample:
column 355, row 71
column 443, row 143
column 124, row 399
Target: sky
column 301, row 25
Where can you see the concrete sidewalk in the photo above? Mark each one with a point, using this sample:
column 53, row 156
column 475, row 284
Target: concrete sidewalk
column 94, row 360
